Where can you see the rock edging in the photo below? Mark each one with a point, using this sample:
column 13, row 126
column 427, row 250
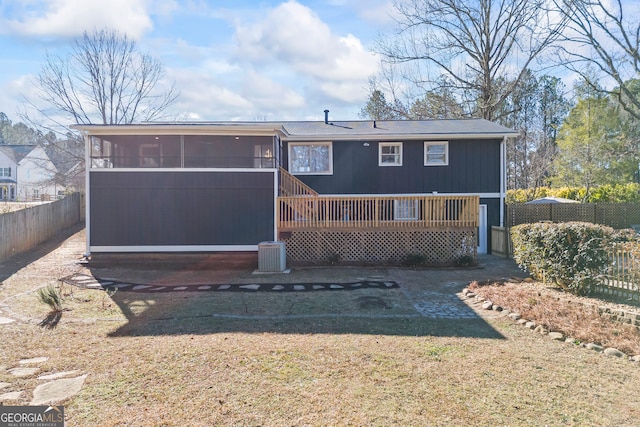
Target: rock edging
column 554, row 335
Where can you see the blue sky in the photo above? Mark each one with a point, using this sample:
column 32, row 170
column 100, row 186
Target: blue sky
column 230, row 59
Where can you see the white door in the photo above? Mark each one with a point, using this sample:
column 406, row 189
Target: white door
column 482, row 229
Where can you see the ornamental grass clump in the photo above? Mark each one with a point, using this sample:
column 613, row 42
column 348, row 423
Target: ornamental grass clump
column 51, row 296
column 574, row 255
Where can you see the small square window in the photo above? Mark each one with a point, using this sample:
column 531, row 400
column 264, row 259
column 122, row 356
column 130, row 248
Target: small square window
column 436, row 153
column 390, row 154
column 406, row 210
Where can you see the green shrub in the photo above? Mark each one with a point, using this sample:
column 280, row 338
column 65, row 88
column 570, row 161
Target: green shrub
column 465, row 261
column 414, row 260
column 571, row 254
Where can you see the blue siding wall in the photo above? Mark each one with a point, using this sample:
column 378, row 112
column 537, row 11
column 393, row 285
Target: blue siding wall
column 474, row 167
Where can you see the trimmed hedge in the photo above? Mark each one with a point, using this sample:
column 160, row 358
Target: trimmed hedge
column 574, row 255
column 617, row 193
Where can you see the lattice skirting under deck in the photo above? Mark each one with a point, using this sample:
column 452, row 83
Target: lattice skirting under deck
column 438, row 247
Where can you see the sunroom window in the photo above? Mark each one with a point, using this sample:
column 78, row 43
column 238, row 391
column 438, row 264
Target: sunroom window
column 310, row 158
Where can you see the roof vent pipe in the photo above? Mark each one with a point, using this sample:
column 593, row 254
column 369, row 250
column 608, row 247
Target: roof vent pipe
column 326, row 117
column 374, row 124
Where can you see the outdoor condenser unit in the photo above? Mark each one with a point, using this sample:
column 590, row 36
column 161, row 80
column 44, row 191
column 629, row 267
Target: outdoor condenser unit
column 272, row 257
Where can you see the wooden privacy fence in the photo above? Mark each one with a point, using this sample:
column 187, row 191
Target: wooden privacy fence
column 616, row 215
column 377, row 212
column 24, row 229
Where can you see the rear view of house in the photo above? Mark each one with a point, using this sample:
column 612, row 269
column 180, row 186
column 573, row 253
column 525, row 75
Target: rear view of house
column 370, row 191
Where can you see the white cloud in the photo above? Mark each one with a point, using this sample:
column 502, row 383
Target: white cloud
column 69, row 18
column 293, row 35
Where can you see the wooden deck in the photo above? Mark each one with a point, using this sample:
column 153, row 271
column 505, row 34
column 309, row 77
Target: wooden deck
column 310, row 212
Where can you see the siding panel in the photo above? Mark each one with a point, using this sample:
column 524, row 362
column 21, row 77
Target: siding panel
column 474, row 167
column 181, row 208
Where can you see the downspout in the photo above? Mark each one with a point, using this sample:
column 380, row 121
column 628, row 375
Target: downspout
column 503, row 180
column 87, row 197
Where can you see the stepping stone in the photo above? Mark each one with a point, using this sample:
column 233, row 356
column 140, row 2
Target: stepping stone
column 318, row 287
column 159, row 289
column 179, row 288
column 298, row 287
column 140, row 287
column 250, row 287
column 14, row 395
column 4, row 385
column 33, row 360
column 5, row 320
column 336, row 287
column 389, row 284
column 23, row 372
column 223, row 287
column 278, row 288
column 56, row 391
column 204, row 288
column 58, row 375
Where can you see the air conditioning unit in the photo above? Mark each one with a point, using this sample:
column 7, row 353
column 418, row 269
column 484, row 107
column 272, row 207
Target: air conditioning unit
column 272, row 257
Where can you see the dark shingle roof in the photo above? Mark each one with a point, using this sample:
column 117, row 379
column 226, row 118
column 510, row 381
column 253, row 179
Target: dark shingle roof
column 17, row 152
column 475, row 127
column 335, row 130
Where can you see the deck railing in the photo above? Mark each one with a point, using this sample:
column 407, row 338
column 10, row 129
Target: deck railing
column 377, row 212
column 292, row 186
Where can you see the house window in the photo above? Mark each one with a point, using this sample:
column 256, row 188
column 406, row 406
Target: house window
column 406, row 210
column 310, row 158
column 263, row 156
column 390, row 154
column 436, row 153
column 150, row 155
column 5, row 171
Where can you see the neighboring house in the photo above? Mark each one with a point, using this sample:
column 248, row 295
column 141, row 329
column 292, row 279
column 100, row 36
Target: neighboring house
column 350, row 191
column 26, row 173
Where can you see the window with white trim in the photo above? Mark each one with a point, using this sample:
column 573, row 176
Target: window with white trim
column 436, row 153
column 390, row 154
column 5, row 172
column 312, row 158
column 406, row 210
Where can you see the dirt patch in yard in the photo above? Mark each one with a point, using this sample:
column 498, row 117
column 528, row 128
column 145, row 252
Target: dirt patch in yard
column 577, row 317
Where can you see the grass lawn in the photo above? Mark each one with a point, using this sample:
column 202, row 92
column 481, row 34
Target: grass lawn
column 316, row 359
column 333, row 370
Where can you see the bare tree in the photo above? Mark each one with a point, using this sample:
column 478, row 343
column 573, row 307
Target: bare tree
column 601, row 39
column 105, row 79
column 472, row 44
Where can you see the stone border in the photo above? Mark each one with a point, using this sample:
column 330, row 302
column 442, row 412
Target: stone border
column 86, row 281
column 554, row 335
